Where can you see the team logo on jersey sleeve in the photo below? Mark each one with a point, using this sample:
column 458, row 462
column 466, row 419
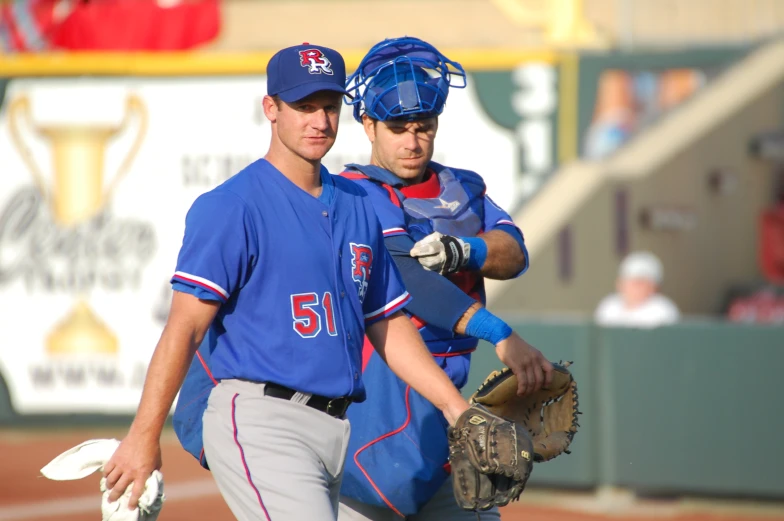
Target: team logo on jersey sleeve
column 361, row 261
column 315, row 61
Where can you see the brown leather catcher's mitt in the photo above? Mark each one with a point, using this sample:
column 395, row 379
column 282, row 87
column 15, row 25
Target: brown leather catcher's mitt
column 490, row 457
column 549, row 415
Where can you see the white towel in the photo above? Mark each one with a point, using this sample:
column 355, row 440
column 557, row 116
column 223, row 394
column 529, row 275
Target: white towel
column 92, row 455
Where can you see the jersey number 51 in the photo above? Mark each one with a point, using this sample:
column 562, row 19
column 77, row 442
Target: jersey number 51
column 305, row 312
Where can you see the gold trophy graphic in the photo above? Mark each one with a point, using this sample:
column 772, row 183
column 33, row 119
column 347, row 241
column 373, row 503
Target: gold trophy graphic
column 77, row 194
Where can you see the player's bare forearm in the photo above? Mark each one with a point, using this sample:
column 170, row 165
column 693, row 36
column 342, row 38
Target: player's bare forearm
column 399, row 344
column 504, row 259
column 188, row 322
column 462, row 323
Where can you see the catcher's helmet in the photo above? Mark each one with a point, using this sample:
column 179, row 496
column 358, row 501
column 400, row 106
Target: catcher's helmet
column 403, row 78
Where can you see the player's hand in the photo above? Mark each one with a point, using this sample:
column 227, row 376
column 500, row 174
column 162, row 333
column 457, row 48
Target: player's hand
column 443, row 254
column 528, row 364
column 132, row 463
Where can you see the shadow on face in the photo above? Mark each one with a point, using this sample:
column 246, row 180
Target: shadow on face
column 307, row 127
column 403, row 147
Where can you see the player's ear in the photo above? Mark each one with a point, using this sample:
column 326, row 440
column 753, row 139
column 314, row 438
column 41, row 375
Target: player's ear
column 370, row 127
column 271, row 106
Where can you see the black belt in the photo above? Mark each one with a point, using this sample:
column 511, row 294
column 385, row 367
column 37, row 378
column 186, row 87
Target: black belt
column 335, row 407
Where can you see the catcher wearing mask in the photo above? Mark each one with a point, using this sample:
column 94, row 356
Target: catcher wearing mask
column 445, row 235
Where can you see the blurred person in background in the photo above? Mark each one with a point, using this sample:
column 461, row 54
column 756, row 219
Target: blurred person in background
column 614, row 117
column 628, row 101
column 637, row 301
column 764, row 304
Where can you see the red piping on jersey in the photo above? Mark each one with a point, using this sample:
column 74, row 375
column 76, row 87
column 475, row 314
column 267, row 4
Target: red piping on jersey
column 454, row 353
column 242, row 455
column 353, row 175
column 373, row 442
column 368, row 349
column 367, row 352
column 418, row 322
column 392, row 195
column 206, row 369
column 201, row 285
column 391, row 191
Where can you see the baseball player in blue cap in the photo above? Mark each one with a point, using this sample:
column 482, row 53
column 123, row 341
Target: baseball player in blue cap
column 446, row 235
column 281, row 274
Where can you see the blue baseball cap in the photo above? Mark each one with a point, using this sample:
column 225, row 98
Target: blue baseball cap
column 296, row 72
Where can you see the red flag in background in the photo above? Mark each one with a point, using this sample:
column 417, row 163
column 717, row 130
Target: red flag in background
column 107, row 25
column 772, row 244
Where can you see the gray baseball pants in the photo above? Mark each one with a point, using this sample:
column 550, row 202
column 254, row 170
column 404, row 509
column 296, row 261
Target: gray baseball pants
column 274, row 459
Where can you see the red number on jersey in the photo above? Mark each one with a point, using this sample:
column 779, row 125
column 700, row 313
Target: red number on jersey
column 307, row 323
column 330, row 312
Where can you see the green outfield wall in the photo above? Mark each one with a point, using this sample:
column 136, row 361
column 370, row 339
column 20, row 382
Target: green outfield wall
column 692, row 408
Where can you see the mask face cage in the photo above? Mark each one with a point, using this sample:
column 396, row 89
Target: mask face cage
column 402, row 78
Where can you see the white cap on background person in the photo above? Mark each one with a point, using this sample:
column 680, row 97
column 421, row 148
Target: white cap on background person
column 637, row 301
column 642, row 265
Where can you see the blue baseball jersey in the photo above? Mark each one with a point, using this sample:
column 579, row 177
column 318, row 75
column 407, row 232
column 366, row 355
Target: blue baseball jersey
column 300, row 278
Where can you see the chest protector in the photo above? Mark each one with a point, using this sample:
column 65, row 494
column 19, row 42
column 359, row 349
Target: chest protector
column 457, row 211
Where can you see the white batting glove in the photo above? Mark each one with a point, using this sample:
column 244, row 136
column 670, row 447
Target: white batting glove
column 441, row 253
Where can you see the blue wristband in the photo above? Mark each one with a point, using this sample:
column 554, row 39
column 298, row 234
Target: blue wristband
column 488, row 327
column 478, row 252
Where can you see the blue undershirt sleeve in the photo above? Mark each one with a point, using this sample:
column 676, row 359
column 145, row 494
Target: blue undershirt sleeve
column 434, row 298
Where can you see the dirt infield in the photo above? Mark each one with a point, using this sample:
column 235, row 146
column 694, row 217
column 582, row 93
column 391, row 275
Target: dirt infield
column 27, row 496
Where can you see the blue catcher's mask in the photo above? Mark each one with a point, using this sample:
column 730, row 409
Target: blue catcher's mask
column 403, row 79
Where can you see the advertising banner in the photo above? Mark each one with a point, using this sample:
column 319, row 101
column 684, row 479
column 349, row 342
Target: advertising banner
column 97, row 176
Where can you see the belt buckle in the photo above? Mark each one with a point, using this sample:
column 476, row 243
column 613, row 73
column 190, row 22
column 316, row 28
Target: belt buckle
column 334, row 407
